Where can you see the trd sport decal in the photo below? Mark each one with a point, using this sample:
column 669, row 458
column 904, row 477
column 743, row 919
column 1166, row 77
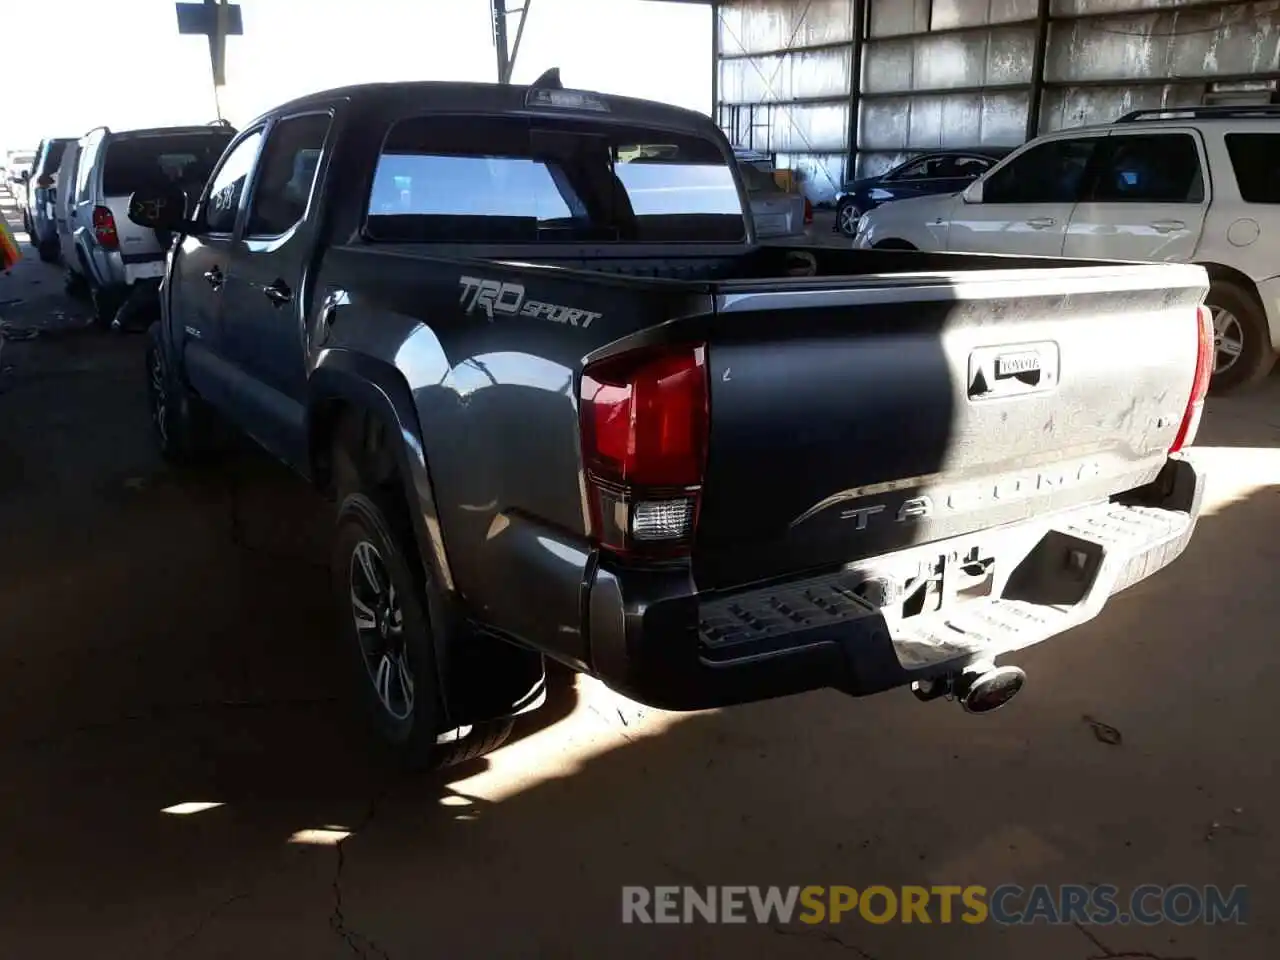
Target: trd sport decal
column 498, row 297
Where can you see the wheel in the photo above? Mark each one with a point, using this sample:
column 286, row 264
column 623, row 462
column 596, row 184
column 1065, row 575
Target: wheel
column 1242, row 353
column 848, row 213
column 183, row 426
column 105, row 304
column 383, row 605
column 27, row 228
column 49, row 253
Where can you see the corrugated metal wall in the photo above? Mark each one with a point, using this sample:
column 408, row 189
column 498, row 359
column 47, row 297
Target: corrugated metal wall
column 806, row 79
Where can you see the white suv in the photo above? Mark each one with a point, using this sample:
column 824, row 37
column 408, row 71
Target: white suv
column 1197, row 185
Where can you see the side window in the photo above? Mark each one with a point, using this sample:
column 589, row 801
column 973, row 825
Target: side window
column 1046, row 173
column 968, row 168
column 85, row 167
column 913, row 171
column 1255, row 157
column 227, row 186
column 288, row 170
column 1150, row 168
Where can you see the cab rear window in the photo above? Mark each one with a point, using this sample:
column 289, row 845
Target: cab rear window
column 504, row 180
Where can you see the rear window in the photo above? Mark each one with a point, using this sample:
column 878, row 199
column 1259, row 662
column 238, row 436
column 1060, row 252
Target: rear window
column 489, row 180
column 1256, row 159
column 53, row 156
column 133, row 163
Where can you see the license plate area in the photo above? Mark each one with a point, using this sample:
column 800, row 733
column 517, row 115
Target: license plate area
column 143, row 271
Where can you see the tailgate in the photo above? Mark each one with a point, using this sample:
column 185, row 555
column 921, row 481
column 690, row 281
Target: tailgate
column 856, row 418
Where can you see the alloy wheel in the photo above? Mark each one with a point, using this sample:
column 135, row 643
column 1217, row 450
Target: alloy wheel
column 379, row 622
column 1228, row 339
column 849, row 217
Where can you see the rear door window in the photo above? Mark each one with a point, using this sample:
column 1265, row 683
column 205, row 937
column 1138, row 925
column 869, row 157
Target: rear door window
column 1149, row 168
column 134, row 163
column 1255, row 157
column 488, row 180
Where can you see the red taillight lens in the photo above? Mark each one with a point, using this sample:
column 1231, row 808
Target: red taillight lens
column 808, row 211
column 44, row 180
column 644, row 436
column 104, row 228
column 1200, row 385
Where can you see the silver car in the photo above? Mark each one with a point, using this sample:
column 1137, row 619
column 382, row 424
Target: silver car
column 779, row 216
column 117, row 261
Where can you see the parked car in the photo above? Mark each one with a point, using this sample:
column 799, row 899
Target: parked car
column 39, row 198
column 939, row 172
column 119, row 263
column 567, row 406
column 64, row 203
column 778, row 215
column 1194, row 185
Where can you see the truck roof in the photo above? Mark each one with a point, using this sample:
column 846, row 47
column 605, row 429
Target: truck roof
column 460, row 97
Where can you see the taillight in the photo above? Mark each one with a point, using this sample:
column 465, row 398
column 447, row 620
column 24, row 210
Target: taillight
column 104, row 228
column 44, row 180
column 644, row 425
column 1200, row 385
column 808, row 212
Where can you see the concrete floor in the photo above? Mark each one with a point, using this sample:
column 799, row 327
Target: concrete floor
column 166, row 638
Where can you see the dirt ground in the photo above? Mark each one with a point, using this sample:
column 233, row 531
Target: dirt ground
column 166, row 639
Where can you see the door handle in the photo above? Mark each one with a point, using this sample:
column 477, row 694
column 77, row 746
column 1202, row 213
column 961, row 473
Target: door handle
column 1040, row 223
column 278, row 293
column 214, row 277
column 1167, row 226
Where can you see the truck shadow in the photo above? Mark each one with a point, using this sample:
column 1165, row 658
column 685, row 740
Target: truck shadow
column 599, row 792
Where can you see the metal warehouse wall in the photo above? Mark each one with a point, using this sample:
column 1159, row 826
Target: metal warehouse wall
column 805, row 79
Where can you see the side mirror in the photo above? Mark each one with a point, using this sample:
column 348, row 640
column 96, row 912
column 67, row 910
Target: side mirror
column 973, row 192
column 25, row 175
column 160, row 208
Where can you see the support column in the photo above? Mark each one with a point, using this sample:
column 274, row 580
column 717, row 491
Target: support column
column 1037, row 69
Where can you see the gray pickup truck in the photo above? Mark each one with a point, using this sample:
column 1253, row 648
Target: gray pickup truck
column 567, row 407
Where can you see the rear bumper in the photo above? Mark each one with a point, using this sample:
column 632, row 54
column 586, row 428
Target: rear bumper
column 654, row 638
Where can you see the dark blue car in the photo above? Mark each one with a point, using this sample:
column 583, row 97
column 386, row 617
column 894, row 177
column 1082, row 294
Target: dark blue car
column 942, row 171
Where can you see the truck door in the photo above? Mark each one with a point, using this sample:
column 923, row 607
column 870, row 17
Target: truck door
column 264, row 323
column 199, row 274
column 1146, row 200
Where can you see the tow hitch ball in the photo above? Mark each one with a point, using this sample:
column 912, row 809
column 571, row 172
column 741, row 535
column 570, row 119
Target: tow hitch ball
column 980, row 687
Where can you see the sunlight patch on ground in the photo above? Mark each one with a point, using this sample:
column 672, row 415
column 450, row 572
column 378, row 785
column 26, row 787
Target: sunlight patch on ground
column 1235, row 473
column 327, row 836
column 601, row 721
column 189, row 807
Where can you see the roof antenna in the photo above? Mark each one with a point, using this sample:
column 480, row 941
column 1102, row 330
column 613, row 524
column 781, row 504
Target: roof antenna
column 550, row 80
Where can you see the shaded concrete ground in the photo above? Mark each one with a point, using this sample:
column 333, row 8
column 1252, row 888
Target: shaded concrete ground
column 166, row 639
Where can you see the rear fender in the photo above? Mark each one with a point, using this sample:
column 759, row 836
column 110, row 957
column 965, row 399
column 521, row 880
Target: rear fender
column 484, row 677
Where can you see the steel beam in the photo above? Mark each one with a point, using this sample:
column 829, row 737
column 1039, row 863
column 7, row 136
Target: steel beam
column 1037, row 69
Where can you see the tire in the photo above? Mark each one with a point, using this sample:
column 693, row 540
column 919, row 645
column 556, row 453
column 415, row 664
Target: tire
column 183, row 427
column 1238, row 320
column 387, row 633
column 49, row 253
column 847, row 214
column 28, row 229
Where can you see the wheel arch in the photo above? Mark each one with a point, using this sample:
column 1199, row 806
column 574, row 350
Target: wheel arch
column 484, row 677
column 1220, row 271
